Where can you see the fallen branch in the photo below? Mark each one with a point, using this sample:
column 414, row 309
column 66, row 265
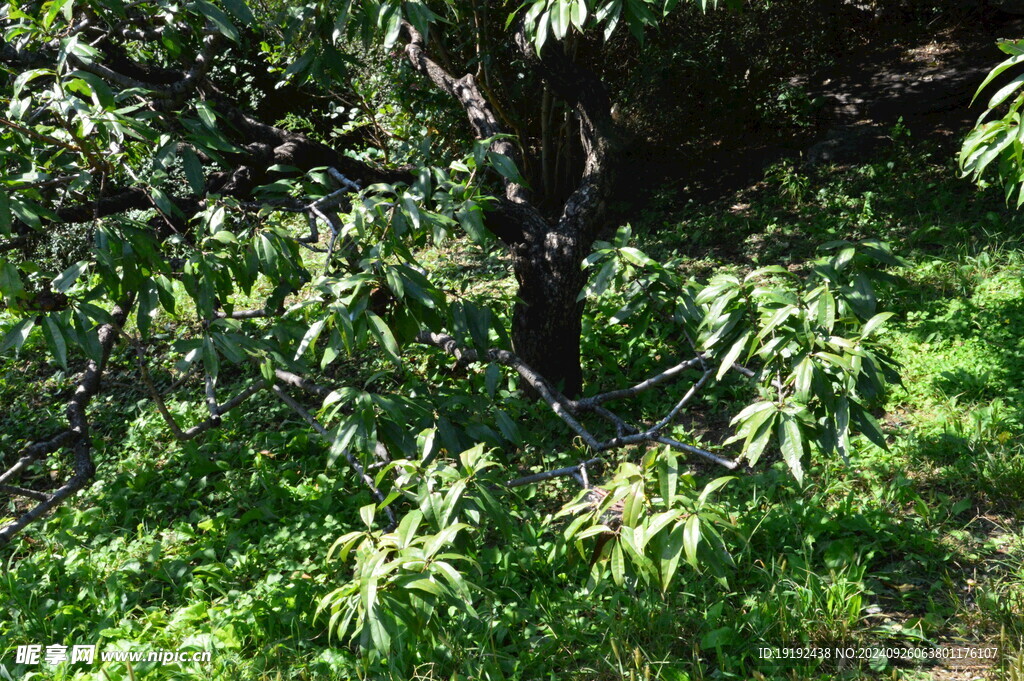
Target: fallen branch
column 296, row 381
column 23, row 492
column 566, row 409
column 667, row 375
column 558, row 472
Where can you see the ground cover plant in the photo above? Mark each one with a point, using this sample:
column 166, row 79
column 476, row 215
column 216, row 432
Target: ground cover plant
column 357, row 454
column 920, row 543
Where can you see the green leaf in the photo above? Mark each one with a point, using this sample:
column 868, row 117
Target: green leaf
column 802, row 380
column 670, row 555
column 17, row 334
column 470, row 216
column 383, row 334
column 1012, row 61
column 1006, row 91
column 10, row 281
column 505, row 166
column 712, row 487
column 309, row 338
column 579, row 14
column 635, row 256
column 267, row 370
column 668, row 475
column 5, row 214
column 827, row 310
column 378, row 632
column 734, row 353
column 835, row 360
column 543, row 24
column 867, row 425
column 842, row 413
column 759, row 437
column 394, row 29
column 781, row 315
column 54, row 333
column 240, row 10
column 366, row 513
column 69, row 276
column 206, row 115
column 406, row 531
column 163, row 202
column 211, row 362
column 193, row 170
column 560, row 18
column 691, row 538
column 100, row 91
column 874, row 323
column 509, row 428
column 218, row 17
column 791, row 444
column 618, row 563
column 51, row 13
column 491, row 377
column 25, row 77
column 146, row 308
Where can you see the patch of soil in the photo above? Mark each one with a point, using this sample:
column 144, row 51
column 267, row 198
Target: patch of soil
column 925, row 80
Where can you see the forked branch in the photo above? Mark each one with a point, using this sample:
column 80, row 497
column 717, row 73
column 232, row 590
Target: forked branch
column 76, row 437
column 568, row 410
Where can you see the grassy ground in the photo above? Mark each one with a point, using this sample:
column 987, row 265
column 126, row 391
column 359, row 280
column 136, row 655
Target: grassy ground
column 222, row 543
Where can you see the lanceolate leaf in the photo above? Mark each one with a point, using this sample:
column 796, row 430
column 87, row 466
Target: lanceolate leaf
column 691, row 538
column 792, row 446
column 17, row 334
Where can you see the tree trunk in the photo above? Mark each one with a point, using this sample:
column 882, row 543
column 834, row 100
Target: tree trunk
column 547, row 319
column 546, row 253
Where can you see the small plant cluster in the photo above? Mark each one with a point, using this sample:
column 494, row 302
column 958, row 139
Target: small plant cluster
column 813, row 336
column 994, row 146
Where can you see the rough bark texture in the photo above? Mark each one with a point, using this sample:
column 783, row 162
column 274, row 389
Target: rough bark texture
column 546, row 254
column 546, row 321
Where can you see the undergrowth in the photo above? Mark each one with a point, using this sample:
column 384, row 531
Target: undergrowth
column 222, row 544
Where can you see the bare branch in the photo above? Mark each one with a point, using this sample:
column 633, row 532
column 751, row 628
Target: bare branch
column 211, row 398
column 676, row 444
column 559, row 472
column 40, row 137
column 477, row 107
column 564, row 408
column 77, row 435
column 296, row 381
column 247, row 314
column 216, row 410
column 33, row 453
column 154, row 394
column 23, row 492
column 223, row 409
column 657, row 379
column 549, row 394
column 694, row 389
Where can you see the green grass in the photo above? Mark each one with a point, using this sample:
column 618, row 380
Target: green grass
column 222, row 543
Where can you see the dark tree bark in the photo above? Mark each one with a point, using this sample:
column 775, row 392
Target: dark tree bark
column 546, row 254
column 547, row 318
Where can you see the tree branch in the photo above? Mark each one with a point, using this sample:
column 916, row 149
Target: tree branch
column 586, row 94
column 564, row 408
column 516, row 219
column 548, row 475
column 77, row 435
